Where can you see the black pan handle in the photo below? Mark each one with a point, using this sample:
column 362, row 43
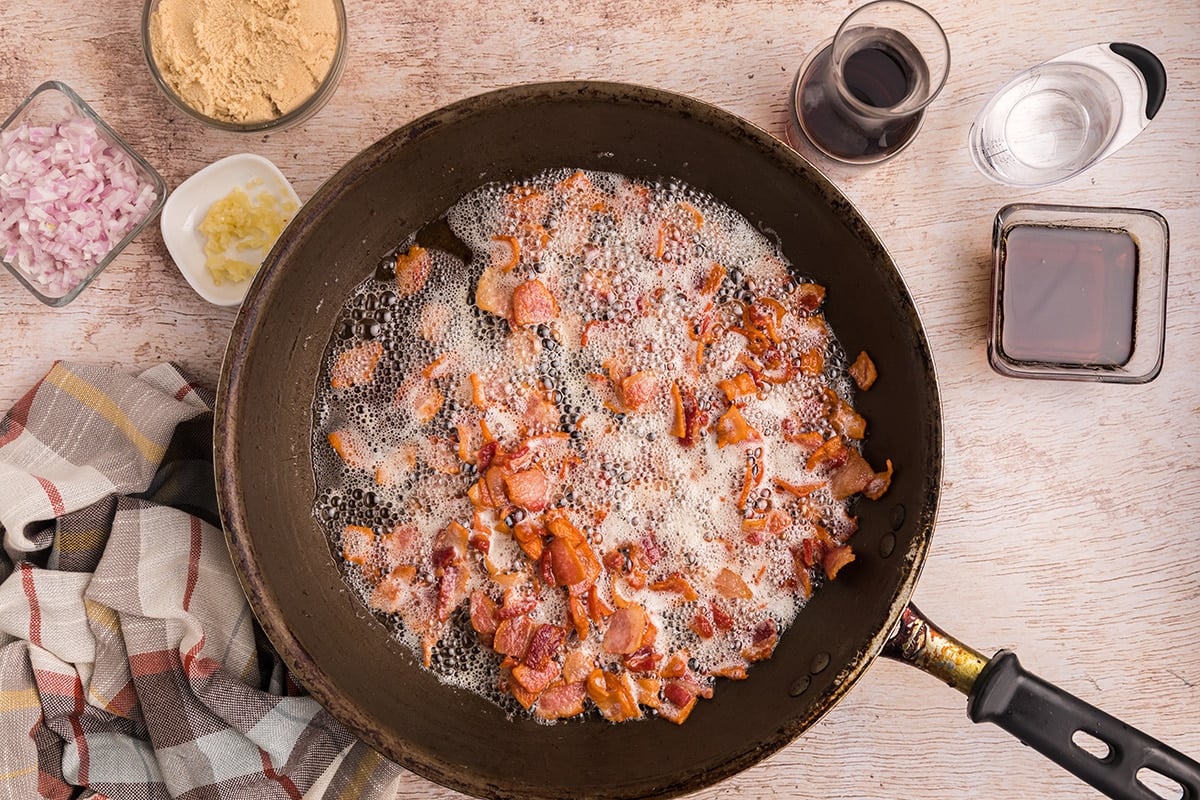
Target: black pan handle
column 1042, row 715
column 1046, row 718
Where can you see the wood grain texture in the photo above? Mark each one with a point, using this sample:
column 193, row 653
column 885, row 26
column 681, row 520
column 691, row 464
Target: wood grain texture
column 1068, row 528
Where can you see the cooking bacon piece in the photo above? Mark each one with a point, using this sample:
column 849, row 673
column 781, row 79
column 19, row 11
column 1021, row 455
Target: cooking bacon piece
column 560, row 527
column 625, row 629
column 835, row 559
column 808, row 297
column 844, row 418
column 812, row 361
column 681, row 688
column 392, row 593
column 525, row 697
column 713, row 280
column 702, row 625
column 561, row 700
column 598, row 610
column 830, row 455
column 673, row 711
column 412, row 270
column 570, row 559
column 732, row 428
column 675, row 582
column 797, row 491
column 528, row 488
column 493, row 478
column 721, row 617
column 396, row 464
column 761, row 322
column 854, row 475
column 687, row 420
column 512, row 636
column 420, row 396
column 516, row 604
column 577, row 665
column 452, row 588
column 808, row 441
column 356, row 366
column 863, row 371
column 739, row 385
column 614, row 695
column 801, row 571
column 676, row 666
column 731, row 585
column 528, row 533
column 644, row 659
column 637, row 390
column 433, row 321
column 358, row 544
column 735, row 672
column 675, row 693
column 762, row 641
column 532, row 682
column 441, row 366
column 578, row 614
column 506, row 261
column 650, row 553
column 483, row 616
column 493, row 293
column 540, row 415
column 532, row 304
column 481, row 542
column 880, row 484
column 757, row 529
column 543, row 645
column 398, row 546
column 450, row 546
column 350, row 447
column 568, row 568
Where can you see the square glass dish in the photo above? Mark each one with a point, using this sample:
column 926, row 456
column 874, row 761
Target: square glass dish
column 73, row 194
column 1078, row 293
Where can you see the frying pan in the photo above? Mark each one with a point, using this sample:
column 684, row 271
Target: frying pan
column 344, row 655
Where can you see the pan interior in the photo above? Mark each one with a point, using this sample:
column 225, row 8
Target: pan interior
column 265, row 478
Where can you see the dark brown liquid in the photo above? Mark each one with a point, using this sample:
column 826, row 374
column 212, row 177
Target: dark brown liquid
column 877, row 76
column 1067, row 295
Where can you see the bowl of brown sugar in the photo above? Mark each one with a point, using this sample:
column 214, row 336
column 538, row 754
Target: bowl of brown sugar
column 246, row 65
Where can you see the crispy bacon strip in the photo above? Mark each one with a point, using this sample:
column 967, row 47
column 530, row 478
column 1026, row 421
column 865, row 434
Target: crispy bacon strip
column 412, row 270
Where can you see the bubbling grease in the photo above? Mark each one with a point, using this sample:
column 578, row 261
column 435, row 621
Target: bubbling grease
column 626, row 274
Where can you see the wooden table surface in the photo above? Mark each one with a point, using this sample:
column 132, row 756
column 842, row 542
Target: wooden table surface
column 1068, row 525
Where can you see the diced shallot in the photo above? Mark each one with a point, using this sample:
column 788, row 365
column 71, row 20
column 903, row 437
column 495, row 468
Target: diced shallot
column 67, row 198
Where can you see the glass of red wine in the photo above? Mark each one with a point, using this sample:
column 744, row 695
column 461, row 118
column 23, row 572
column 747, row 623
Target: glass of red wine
column 860, row 97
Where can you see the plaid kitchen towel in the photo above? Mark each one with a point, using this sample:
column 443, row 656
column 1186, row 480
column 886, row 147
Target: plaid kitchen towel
column 130, row 664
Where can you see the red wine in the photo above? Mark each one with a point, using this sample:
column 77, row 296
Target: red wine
column 1067, row 295
column 882, row 69
column 878, row 76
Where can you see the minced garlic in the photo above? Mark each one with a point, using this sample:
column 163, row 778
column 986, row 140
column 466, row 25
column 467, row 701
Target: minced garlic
column 240, row 229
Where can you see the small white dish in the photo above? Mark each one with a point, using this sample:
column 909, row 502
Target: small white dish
column 186, row 207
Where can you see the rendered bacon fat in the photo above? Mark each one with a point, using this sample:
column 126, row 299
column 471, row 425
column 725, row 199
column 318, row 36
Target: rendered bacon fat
column 602, row 465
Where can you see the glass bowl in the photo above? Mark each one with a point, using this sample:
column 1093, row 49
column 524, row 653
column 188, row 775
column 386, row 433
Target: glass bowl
column 1078, row 293
column 49, row 104
column 306, row 109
